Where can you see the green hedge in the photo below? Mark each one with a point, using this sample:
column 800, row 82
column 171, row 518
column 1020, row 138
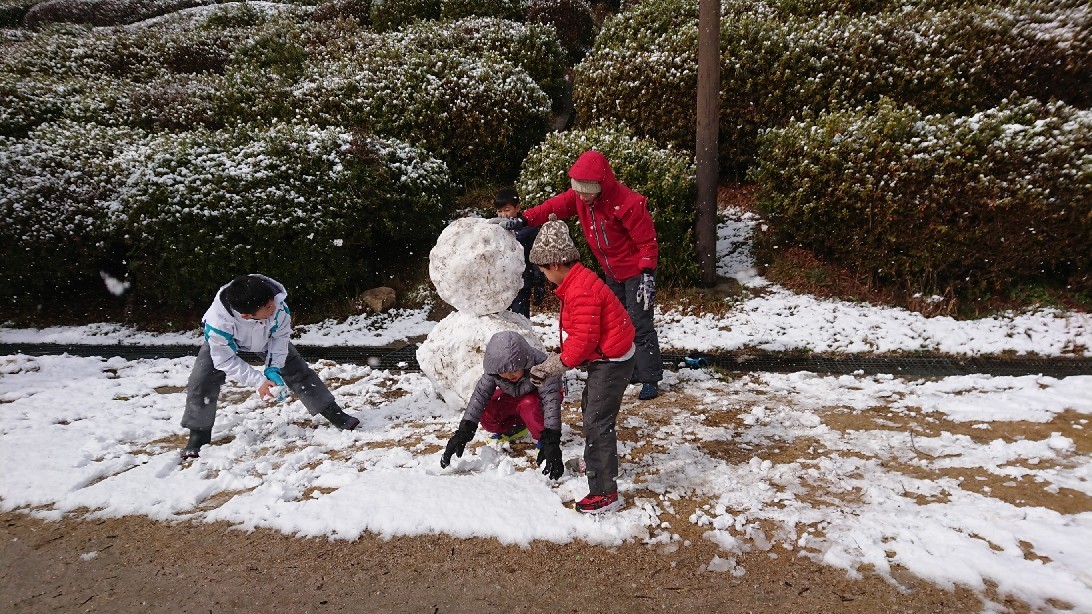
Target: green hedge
column 775, row 65
column 60, row 221
column 479, row 115
column 103, row 12
column 531, row 47
column 324, row 212
column 665, row 177
column 459, row 9
column 572, row 20
column 470, row 91
column 935, row 203
column 387, row 15
column 13, row 11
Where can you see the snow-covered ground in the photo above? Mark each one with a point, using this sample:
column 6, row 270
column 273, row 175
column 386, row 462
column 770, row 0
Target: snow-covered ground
column 972, row 480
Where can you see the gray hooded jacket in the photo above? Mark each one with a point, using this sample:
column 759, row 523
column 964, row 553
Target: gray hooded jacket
column 508, row 351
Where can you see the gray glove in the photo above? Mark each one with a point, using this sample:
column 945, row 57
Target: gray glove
column 551, row 367
column 508, row 223
column 646, row 291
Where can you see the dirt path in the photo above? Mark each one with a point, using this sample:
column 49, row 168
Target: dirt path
column 144, row 566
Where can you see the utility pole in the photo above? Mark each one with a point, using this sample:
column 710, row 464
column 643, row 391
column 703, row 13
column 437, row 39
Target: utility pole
column 706, row 150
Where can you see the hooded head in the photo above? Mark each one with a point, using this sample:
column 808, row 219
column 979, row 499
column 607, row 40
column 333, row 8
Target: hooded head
column 509, row 351
column 592, row 173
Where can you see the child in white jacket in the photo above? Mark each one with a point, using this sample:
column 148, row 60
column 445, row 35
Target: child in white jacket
column 250, row 314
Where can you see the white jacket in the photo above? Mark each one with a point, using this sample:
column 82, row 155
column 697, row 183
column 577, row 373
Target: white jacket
column 227, row 332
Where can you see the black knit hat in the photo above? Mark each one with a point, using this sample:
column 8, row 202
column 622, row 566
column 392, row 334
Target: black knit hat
column 506, row 196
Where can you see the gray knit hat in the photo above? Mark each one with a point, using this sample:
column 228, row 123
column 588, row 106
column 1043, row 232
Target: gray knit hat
column 553, row 244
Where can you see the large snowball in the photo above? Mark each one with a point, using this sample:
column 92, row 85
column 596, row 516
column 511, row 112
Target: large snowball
column 451, row 356
column 477, row 267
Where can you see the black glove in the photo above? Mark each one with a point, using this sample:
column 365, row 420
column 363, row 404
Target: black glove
column 457, row 444
column 550, row 453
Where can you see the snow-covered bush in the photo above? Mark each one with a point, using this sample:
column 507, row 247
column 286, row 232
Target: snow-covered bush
column 572, row 20
column 358, row 10
column 933, row 203
column 322, row 210
column 13, row 11
column 775, row 65
column 26, row 103
column 459, row 9
column 103, row 12
column 663, row 176
column 59, row 217
column 389, row 15
column 532, row 47
column 480, row 115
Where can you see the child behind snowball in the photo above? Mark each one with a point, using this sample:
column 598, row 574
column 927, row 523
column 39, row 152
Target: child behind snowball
column 508, row 404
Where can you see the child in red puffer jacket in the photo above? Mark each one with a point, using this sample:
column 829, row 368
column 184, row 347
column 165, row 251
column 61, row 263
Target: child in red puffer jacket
column 598, row 333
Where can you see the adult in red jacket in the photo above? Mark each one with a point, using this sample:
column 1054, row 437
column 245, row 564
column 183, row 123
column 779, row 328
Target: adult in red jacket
column 620, row 232
column 596, row 332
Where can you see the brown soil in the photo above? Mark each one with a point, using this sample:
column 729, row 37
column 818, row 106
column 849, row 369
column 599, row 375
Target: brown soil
column 144, row 566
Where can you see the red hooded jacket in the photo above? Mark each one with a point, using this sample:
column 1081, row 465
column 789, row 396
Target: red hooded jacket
column 594, row 320
column 617, row 224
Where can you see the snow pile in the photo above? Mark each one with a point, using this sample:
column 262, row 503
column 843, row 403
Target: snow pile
column 452, row 355
column 477, row 267
column 851, row 471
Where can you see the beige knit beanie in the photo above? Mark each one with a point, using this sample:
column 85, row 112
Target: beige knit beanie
column 587, row 187
column 553, row 244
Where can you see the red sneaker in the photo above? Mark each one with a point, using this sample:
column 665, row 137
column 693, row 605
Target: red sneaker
column 600, row 504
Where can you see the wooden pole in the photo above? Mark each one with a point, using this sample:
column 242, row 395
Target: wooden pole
column 706, row 150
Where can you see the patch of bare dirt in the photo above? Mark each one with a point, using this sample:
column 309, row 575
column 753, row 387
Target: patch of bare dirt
column 142, row 566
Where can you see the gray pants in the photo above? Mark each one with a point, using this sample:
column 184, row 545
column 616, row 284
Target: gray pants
column 649, row 367
column 602, row 399
column 203, row 388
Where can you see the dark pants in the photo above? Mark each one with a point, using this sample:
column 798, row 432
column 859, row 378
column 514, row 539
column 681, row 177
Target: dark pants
column 649, row 367
column 203, row 389
column 522, row 303
column 602, row 399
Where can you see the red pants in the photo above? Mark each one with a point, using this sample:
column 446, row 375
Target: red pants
column 503, row 412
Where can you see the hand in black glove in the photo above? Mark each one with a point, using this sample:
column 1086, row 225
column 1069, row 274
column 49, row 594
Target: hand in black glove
column 551, row 454
column 457, row 444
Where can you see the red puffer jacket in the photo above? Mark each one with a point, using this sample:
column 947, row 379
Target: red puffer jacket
column 617, row 225
column 595, row 321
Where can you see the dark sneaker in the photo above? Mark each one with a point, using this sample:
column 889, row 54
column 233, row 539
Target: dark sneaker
column 649, row 392
column 198, row 438
column 515, row 433
column 339, row 418
column 600, row 504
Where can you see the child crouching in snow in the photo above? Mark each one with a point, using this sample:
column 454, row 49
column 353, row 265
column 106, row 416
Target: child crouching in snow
column 508, row 404
column 250, row 314
column 599, row 335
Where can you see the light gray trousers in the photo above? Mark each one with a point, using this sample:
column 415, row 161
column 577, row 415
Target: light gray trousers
column 649, row 366
column 203, row 388
column 602, row 399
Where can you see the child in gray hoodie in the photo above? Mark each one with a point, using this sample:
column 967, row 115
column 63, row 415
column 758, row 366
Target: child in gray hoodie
column 507, row 404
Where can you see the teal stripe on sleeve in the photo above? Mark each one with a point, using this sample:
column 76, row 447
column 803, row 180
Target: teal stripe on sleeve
column 230, row 340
